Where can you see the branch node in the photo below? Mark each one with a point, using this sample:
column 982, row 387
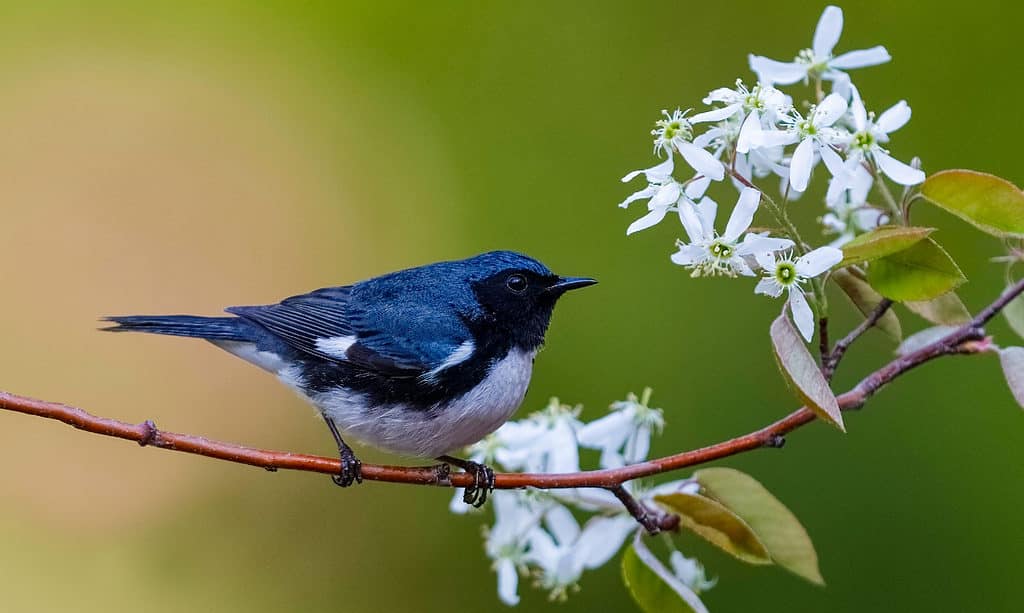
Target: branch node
column 150, row 434
column 775, row 441
column 652, row 521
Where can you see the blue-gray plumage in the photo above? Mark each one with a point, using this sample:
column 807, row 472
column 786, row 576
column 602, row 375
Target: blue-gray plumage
column 420, row 362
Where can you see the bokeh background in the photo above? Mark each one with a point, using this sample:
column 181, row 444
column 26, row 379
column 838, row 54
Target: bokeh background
column 186, row 156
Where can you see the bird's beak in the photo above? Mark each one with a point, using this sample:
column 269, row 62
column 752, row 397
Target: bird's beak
column 565, row 284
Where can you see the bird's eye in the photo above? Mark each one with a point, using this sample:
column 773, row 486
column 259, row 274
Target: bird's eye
column 516, row 283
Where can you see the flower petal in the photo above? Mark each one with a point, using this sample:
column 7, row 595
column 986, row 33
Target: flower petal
column 801, row 165
column 833, row 162
column 771, row 72
column 768, row 286
column 696, row 187
column 654, row 174
column 707, row 210
column 860, row 114
column 648, row 220
column 689, row 255
column 773, row 138
column 861, row 58
column 702, row 161
column 766, row 260
column 668, row 194
column 716, row 114
column 721, row 94
column 602, row 538
column 748, row 131
column 692, row 222
column 508, row 582
column 646, row 192
column 826, row 35
column 742, row 214
column 803, row 317
column 894, row 118
column 818, row 261
column 829, row 111
column 904, row 174
column 755, row 243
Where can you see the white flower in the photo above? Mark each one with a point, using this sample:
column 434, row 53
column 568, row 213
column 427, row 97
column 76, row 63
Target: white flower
column 663, row 191
column 866, row 141
column 564, row 551
column 690, row 572
column 815, row 135
column 749, row 107
column 545, row 442
column 515, row 518
column 676, row 132
column 624, row 435
column 787, row 274
column 707, row 253
column 849, row 212
column 818, row 61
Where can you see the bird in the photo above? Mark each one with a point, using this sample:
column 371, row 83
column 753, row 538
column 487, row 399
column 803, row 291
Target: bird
column 421, row 362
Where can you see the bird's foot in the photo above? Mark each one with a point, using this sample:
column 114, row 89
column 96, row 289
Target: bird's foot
column 483, row 480
column 483, row 484
column 351, row 469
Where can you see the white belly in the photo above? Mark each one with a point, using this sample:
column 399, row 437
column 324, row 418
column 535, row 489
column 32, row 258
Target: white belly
column 432, row 432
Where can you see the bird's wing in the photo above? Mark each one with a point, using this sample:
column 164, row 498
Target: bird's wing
column 396, row 339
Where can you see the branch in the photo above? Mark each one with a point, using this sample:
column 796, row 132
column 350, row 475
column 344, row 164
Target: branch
column 968, row 339
column 830, row 360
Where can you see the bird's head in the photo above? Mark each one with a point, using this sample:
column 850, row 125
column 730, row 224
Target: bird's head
column 517, row 294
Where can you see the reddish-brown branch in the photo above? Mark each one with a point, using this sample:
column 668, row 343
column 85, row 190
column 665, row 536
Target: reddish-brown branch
column 967, row 339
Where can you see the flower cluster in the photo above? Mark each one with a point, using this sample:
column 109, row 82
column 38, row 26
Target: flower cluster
column 757, row 132
column 536, row 533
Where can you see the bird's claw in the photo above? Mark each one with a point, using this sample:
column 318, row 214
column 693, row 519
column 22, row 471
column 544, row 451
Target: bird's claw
column 351, row 469
column 483, row 484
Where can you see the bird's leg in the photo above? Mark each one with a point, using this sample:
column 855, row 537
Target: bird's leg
column 483, row 479
column 351, row 467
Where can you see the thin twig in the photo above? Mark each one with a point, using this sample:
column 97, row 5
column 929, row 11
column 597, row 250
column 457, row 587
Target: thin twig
column 967, row 339
column 652, row 521
column 831, row 362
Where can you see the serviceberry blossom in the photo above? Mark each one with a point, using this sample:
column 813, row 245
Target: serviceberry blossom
column 676, row 132
column 788, row 274
column 751, row 107
column 849, row 212
column 536, row 532
column 563, row 551
column 815, row 136
column 818, row 61
column 662, row 192
column 690, row 572
column 865, row 142
column 624, row 435
column 711, row 254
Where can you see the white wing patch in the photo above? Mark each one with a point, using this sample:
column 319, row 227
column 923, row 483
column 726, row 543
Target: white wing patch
column 462, row 353
column 336, row 346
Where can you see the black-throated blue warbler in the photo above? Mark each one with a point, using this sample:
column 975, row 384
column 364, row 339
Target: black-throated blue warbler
column 420, row 362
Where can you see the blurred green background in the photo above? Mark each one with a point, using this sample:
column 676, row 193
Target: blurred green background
column 184, row 157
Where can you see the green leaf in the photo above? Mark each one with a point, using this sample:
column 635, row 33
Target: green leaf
column 780, row 531
column 656, row 591
column 718, row 525
column 1014, row 314
column 946, row 310
column 922, row 272
column 1012, row 361
column 989, row 202
column 866, row 299
column 880, row 242
column 802, row 372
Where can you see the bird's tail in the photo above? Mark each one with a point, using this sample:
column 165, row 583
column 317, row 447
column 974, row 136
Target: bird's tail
column 213, row 328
